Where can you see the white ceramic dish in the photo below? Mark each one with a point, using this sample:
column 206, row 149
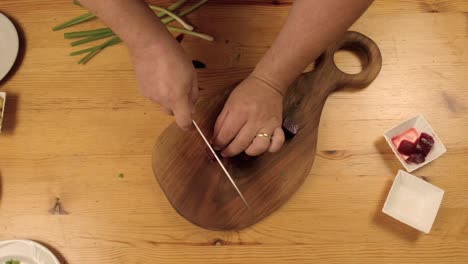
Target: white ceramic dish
column 413, row 201
column 9, row 45
column 26, row 251
column 421, row 125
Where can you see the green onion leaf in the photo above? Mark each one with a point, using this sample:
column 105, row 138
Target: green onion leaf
column 87, row 33
column 185, row 12
column 92, row 38
column 192, row 33
column 75, row 21
column 97, row 49
column 172, row 15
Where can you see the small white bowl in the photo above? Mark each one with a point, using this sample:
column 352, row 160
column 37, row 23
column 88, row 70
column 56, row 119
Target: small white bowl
column 422, row 126
column 413, row 201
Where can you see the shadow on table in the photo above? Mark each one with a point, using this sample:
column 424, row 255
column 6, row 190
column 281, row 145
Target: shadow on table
column 54, row 251
column 9, row 118
column 384, row 150
column 390, row 224
column 21, row 51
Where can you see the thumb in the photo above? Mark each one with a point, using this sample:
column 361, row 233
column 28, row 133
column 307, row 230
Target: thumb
column 194, row 95
column 183, row 113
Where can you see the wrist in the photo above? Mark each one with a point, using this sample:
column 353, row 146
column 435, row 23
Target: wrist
column 259, row 76
column 156, row 39
column 160, row 47
column 270, row 70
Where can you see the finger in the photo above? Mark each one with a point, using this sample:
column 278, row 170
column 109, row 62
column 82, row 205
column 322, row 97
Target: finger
column 241, row 142
column 277, row 140
column 166, row 110
column 219, row 123
column 259, row 145
column 194, row 95
column 183, row 113
column 230, row 128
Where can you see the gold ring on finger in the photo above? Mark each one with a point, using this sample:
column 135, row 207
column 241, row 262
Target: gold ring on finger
column 265, row 135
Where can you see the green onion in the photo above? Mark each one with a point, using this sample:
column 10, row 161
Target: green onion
column 92, row 38
column 111, row 42
column 98, row 49
column 75, row 21
column 185, row 12
column 96, row 34
column 172, row 15
column 87, row 33
column 188, row 32
column 172, row 7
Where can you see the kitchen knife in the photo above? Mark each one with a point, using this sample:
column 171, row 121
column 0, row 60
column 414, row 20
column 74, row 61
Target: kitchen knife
column 220, row 163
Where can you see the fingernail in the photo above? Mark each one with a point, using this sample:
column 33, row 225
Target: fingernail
column 223, row 154
column 216, row 148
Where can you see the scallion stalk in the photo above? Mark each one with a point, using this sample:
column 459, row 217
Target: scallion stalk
column 185, row 12
column 98, row 49
column 75, row 21
column 192, row 33
column 92, row 38
column 172, row 7
column 172, row 15
column 87, row 33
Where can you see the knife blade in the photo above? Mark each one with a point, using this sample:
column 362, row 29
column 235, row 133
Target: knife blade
column 220, row 163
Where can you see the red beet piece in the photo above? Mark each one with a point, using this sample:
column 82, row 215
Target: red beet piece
column 407, row 147
column 425, row 143
column 416, row 158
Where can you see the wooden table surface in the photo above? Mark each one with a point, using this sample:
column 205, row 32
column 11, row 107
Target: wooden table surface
column 70, row 130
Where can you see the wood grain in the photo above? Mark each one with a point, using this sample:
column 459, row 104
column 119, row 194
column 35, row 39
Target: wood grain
column 70, row 130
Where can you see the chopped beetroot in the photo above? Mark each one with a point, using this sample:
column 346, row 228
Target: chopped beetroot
column 412, row 146
column 416, row 158
column 411, row 135
column 406, row 147
column 424, row 144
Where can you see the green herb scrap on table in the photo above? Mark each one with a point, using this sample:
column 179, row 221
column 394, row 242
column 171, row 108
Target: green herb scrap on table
column 12, row 261
column 166, row 15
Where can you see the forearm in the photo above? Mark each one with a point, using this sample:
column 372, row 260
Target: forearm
column 133, row 21
column 311, row 26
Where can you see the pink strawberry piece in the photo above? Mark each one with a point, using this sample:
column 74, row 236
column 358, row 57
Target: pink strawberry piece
column 416, row 158
column 406, row 147
column 411, row 135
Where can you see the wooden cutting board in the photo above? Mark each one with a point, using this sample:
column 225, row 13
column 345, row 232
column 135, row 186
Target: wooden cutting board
column 195, row 184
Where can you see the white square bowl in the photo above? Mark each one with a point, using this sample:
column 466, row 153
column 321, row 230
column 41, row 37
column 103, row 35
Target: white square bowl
column 2, row 108
column 413, row 201
column 421, row 125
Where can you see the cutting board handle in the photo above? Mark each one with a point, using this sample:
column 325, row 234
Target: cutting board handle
column 300, row 100
column 365, row 48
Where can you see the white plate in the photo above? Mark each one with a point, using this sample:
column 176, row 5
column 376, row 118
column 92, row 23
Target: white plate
column 27, row 252
column 413, row 201
column 9, row 45
column 421, row 125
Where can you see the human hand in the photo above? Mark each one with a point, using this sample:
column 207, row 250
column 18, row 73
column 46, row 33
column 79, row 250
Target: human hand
column 253, row 108
column 167, row 77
